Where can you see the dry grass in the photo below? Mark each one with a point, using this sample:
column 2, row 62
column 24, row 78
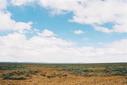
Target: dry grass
column 63, row 75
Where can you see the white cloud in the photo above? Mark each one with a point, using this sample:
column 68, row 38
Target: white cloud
column 93, row 12
column 78, row 32
column 21, row 2
column 56, row 50
column 9, row 24
column 47, row 33
column 3, row 4
column 116, row 28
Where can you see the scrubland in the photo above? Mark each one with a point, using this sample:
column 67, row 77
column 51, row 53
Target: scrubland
column 63, row 74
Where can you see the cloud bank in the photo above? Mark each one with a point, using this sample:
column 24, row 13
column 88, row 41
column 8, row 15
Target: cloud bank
column 47, row 47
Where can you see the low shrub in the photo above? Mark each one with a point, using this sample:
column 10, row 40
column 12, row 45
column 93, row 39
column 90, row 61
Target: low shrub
column 19, row 75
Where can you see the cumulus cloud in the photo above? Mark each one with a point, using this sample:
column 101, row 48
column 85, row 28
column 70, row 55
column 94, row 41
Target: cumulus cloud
column 17, row 47
column 21, row 2
column 9, row 24
column 3, row 4
column 47, row 33
column 78, row 32
column 93, row 12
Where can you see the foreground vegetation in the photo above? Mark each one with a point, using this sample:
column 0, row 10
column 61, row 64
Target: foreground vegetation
column 23, row 70
column 14, row 71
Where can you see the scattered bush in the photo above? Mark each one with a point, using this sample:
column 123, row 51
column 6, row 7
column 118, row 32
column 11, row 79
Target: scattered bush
column 11, row 76
column 11, row 67
column 19, row 75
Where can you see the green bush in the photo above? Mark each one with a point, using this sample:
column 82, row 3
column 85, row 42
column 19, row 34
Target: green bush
column 11, row 67
column 11, row 76
column 19, row 75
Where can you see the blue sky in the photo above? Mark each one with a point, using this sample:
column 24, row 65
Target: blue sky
column 42, row 19
column 69, row 24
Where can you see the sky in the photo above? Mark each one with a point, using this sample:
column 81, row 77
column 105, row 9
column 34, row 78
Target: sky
column 63, row 31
